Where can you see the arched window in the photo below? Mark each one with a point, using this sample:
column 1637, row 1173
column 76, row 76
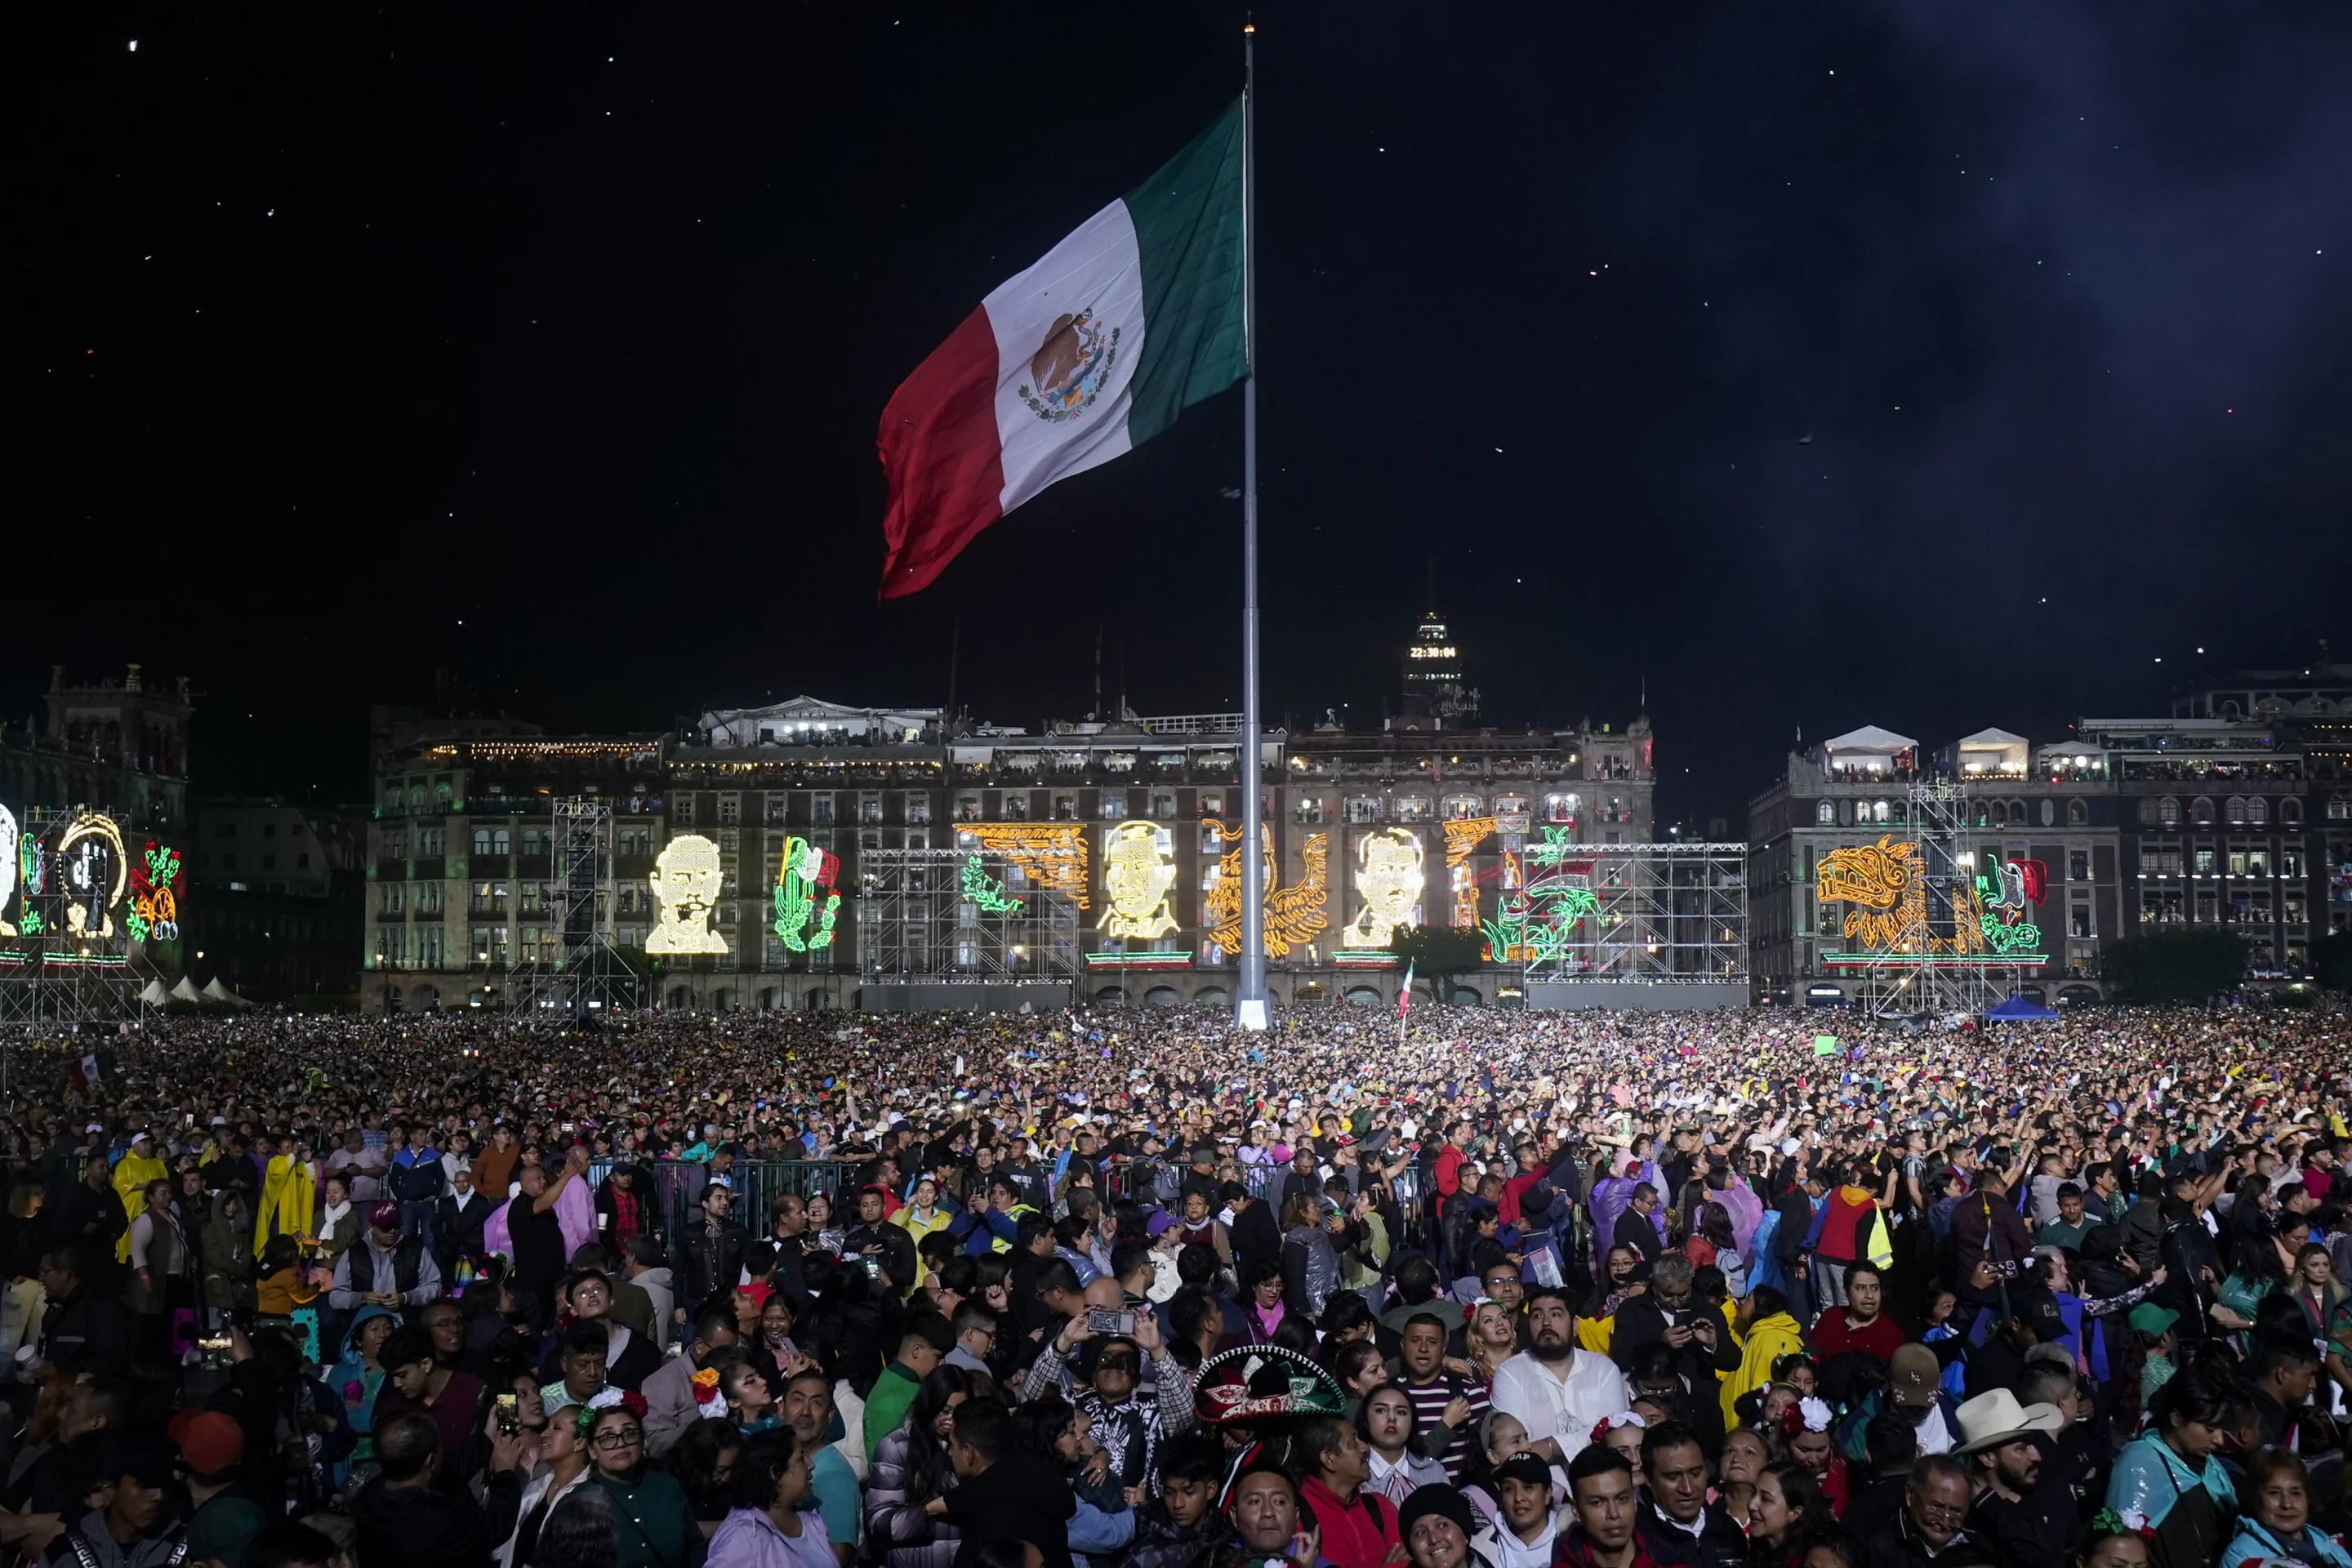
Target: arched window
column 2291, row 812
column 2147, row 809
column 1826, row 812
column 2077, row 814
column 2167, row 811
column 2258, row 811
column 2017, row 814
column 1878, row 811
column 2235, row 806
column 2200, row 811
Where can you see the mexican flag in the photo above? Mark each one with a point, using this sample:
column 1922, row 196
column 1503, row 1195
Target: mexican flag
column 1131, row 320
column 1404, row 992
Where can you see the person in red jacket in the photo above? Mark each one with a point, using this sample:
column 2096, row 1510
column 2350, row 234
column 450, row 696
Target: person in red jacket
column 1358, row 1526
column 1838, row 1240
column 1860, row 1324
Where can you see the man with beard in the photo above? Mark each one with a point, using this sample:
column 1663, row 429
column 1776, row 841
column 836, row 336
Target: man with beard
column 1557, row 1390
column 2003, row 1453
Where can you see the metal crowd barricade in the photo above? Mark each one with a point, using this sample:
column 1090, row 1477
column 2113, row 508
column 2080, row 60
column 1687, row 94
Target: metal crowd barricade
column 757, row 1183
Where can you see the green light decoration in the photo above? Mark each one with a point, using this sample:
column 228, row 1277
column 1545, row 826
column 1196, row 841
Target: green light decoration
column 988, row 892
column 2002, row 900
column 1536, row 925
column 802, row 924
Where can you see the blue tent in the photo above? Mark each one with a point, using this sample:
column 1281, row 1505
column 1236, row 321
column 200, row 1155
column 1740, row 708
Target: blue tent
column 2017, row 1009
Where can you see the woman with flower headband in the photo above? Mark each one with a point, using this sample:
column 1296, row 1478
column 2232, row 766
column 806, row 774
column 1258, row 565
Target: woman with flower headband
column 563, row 1449
column 1805, row 1427
column 652, row 1520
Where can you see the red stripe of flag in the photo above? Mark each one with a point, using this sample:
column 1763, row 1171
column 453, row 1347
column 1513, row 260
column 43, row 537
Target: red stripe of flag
column 940, row 452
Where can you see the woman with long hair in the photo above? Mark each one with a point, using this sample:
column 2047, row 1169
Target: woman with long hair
column 1785, row 1513
column 1712, row 1236
column 910, row 1467
column 703, row 1461
column 1492, row 1338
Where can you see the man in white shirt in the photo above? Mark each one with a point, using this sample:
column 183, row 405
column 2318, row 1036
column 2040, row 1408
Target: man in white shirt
column 1557, row 1390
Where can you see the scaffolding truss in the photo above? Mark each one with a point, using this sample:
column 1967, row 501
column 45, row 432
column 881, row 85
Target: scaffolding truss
column 587, row 974
column 51, row 976
column 969, row 916
column 1933, row 932
column 1607, row 913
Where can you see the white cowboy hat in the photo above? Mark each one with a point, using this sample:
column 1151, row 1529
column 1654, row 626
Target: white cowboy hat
column 1991, row 1419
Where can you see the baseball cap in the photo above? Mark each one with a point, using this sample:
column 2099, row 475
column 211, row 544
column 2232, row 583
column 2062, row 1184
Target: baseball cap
column 1913, row 1378
column 212, row 1444
column 1157, row 1223
column 2147, row 1318
column 383, row 1217
column 1524, row 1466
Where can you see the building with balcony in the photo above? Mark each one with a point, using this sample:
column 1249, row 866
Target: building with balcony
column 2024, row 805
column 1367, row 829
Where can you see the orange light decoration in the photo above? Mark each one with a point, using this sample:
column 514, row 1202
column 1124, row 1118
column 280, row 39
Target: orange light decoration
column 1294, row 915
column 1052, row 854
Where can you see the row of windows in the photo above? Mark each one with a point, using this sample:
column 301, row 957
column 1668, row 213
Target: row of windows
column 1984, row 812
column 2238, row 810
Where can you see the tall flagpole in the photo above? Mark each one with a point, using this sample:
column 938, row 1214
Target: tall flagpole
column 1251, row 1009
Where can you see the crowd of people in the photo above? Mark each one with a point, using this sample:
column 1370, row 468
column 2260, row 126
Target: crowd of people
column 1133, row 1290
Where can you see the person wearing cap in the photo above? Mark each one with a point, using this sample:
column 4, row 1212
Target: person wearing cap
column 383, row 1268
column 221, row 1520
column 2003, row 1445
column 2153, row 1324
column 1914, row 1391
column 1525, row 1525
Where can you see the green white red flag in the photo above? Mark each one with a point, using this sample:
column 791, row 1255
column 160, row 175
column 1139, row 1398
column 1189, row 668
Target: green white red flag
column 1133, row 318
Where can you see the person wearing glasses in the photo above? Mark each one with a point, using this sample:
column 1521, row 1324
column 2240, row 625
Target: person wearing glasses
column 653, row 1523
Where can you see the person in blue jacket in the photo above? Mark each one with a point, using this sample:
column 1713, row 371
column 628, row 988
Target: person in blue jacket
column 2278, row 1494
column 2173, row 1467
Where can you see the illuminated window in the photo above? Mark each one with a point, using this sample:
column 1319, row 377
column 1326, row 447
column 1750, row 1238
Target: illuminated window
column 869, row 808
column 1212, row 803
column 1825, row 814
column 918, row 809
column 681, row 810
column 1413, row 808
column 390, row 894
column 1163, row 804
column 1309, row 810
column 2077, row 814
column 1562, row 807
column 730, row 809
column 1461, row 807
column 1878, row 811
column 2167, row 811
column 2257, row 811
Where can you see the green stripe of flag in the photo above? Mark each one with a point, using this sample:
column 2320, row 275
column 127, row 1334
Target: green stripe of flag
column 1188, row 237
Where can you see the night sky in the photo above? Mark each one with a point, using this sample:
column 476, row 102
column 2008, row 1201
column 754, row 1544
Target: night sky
column 1933, row 367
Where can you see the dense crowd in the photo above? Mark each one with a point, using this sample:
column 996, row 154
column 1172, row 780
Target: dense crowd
column 1134, row 1291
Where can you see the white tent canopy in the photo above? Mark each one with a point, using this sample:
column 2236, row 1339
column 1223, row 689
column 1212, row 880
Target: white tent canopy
column 220, row 993
column 185, row 991
column 154, row 996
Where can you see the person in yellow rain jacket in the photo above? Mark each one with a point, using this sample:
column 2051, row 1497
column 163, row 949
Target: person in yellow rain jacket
column 131, row 1174
column 1771, row 1334
column 923, row 1213
column 289, row 1196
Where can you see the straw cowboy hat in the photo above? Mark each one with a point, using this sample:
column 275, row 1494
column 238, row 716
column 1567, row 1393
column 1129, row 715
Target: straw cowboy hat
column 1991, row 1419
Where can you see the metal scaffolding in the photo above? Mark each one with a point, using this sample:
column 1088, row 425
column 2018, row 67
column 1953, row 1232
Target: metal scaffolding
column 1944, row 946
column 587, row 974
column 968, row 916
column 1609, row 912
column 46, row 976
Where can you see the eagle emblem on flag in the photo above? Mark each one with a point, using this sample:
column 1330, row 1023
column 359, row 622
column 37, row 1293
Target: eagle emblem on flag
column 1069, row 366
